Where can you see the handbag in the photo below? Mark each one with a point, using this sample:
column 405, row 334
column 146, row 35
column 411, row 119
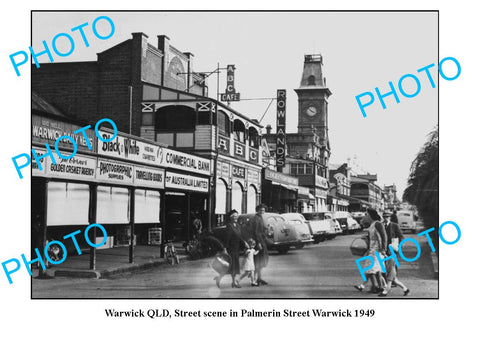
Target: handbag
column 221, row 263
column 359, row 246
column 394, row 244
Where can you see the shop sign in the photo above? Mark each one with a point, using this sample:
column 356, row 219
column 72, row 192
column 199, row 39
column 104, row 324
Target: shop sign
column 114, row 172
column 175, row 180
column 224, row 145
column 303, row 191
column 238, row 171
column 77, row 167
column 321, row 182
column 253, row 177
column 129, row 149
column 281, row 125
column 224, row 170
column 183, row 161
column 239, row 150
column 47, row 130
column 149, row 177
column 35, row 169
column 320, row 193
column 280, row 178
column 230, row 94
column 253, row 155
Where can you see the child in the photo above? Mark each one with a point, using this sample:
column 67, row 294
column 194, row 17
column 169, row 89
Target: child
column 249, row 265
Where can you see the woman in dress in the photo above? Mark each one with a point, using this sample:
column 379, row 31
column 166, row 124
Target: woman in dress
column 233, row 245
column 377, row 243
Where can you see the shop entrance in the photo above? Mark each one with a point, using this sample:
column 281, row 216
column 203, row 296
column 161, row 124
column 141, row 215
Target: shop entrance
column 176, row 216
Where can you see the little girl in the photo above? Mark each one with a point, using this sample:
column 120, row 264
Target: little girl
column 249, row 265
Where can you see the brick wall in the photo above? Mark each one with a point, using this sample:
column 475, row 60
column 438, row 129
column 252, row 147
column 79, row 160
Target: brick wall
column 71, row 87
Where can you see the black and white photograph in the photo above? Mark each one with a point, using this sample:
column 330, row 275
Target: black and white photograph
column 251, row 169
column 267, row 160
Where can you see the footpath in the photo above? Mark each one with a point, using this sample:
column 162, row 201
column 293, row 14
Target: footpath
column 110, row 262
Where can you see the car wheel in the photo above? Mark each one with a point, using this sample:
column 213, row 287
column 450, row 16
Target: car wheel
column 316, row 240
column 299, row 245
column 283, row 249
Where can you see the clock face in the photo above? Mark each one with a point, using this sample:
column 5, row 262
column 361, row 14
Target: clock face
column 311, row 111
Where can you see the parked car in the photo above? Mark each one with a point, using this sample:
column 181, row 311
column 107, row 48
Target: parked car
column 320, row 226
column 280, row 235
column 301, row 227
column 335, row 223
column 347, row 223
column 406, row 220
column 358, row 216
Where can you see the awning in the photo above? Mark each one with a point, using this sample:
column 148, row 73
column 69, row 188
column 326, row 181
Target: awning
column 303, row 193
column 288, row 192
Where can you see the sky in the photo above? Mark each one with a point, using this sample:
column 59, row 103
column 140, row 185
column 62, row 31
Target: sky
column 361, row 51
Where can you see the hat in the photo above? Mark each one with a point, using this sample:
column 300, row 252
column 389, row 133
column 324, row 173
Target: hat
column 386, row 214
column 373, row 214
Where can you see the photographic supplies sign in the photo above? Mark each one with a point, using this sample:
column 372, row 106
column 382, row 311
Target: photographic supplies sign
column 183, row 161
column 47, row 130
column 114, row 172
column 281, row 121
column 149, row 177
column 78, row 167
column 174, row 180
column 129, row 148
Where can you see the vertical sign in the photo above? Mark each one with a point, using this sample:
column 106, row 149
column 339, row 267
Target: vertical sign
column 230, row 94
column 281, row 138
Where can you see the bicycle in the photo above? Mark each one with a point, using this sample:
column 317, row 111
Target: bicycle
column 171, row 253
column 203, row 245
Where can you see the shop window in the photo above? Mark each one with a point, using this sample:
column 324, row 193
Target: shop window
column 251, row 199
column 237, row 197
column 308, row 169
column 68, row 203
column 253, row 137
column 239, row 131
column 300, row 169
column 175, row 125
column 293, row 168
column 147, row 206
column 151, row 93
column 223, row 123
column 113, row 205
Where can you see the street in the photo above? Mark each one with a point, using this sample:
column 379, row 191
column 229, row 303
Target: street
column 324, row 270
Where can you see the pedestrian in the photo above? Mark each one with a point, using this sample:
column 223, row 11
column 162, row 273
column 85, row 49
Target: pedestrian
column 256, row 229
column 233, row 244
column 197, row 225
column 377, row 241
column 249, row 264
column 394, row 237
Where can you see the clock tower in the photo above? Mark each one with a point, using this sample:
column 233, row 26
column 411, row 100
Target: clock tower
column 313, row 100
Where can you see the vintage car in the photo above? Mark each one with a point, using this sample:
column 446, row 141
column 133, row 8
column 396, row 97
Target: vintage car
column 320, row 225
column 406, row 221
column 348, row 224
column 280, row 235
column 301, row 227
column 335, row 223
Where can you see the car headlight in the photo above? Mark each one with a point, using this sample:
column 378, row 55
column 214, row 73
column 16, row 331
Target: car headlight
column 269, row 231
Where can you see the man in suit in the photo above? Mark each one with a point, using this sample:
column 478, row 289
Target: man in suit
column 393, row 231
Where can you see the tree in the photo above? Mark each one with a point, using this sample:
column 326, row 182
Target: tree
column 422, row 188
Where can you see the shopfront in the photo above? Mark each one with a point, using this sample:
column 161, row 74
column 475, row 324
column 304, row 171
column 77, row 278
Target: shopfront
column 238, row 186
column 279, row 191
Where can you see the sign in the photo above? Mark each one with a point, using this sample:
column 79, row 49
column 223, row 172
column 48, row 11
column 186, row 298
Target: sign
column 175, row 180
column 183, row 161
column 281, row 121
column 223, row 170
column 253, row 155
column 230, row 94
column 303, row 191
column 321, row 193
column 128, row 148
column 253, row 177
column 47, row 130
column 149, row 177
column 224, row 145
column 239, row 149
column 321, row 182
column 114, row 172
column 35, row 169
column 77, row 167
column 280, row 178
column 238, row 171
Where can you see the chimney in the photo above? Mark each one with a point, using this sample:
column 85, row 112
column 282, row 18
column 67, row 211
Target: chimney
column 269, row 129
